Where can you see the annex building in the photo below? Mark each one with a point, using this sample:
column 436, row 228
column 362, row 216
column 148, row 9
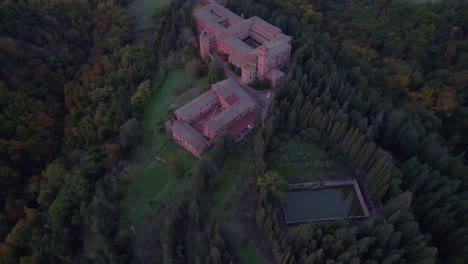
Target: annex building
column 225, row 107
column 253, row 45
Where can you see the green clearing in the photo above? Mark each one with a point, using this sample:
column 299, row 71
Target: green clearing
column 143, row 10
column 153, row 183
column 300, row 161
column 246, row 251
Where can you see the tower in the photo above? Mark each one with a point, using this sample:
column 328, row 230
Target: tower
column 247, row 73
column 263, row 66
column 204, row 45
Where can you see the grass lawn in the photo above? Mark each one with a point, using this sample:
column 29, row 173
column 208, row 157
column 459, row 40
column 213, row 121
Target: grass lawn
column 154, row 184
column 143, row 10
column 188, row 95
column 299, row 162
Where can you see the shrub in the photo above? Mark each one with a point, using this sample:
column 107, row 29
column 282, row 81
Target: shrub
column 215, row 73
column 237, row 71
column 231, row 67
column 141, row 96
column 195, row 69
column 181, row 89
column 258, row 84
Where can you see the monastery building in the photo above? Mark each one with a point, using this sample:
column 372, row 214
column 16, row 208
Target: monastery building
column 253, row 45
column 195, row 125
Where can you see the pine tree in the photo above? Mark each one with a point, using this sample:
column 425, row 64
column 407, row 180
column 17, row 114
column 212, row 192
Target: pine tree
column 393, row 124
column 362, row 125
column 357, row 145
column 341, row 131
column 400, row 203
column 365, row 155
column 407, row 140
column 285, row 257
column 316, row 116
column 292, row 119
column 334, row 132
column 194, row 212
column 378, row 185
column 305, row 115
column 346, row 139
column 349, row 141
column 323, row 123
column 215, row 255
column 331, row 121
column 260, row 219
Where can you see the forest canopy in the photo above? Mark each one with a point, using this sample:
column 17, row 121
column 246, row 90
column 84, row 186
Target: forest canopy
column 69, row 71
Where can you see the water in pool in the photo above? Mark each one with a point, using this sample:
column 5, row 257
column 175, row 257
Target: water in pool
column 334, row 202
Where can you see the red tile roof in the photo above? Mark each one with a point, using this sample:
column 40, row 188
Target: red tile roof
column 196, row 104
column 189, row 134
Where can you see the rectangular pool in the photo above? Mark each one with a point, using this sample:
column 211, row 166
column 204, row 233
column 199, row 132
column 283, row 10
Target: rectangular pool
column 322, row 204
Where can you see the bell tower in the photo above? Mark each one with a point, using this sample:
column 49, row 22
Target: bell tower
column 263, row 66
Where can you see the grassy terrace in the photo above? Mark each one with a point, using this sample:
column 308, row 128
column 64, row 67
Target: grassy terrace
column 153, row 184
column 224, row 198
column 301, row 162
column 228, row 179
